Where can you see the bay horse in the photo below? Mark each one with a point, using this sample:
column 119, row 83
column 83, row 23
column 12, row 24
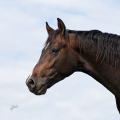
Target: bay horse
column 67, row 51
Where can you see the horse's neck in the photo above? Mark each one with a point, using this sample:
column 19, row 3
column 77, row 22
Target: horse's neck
column 104, row 74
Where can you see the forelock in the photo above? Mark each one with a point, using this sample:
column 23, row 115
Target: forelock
column 52, row 36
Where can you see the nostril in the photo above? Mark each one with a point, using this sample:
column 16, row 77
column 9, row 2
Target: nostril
column 31, row 82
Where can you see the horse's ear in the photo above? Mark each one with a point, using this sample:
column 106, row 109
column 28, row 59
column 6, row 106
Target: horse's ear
column 61, row 27
column 49, row 29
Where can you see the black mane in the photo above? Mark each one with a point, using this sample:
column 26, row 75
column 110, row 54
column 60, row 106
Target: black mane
column 108, row 44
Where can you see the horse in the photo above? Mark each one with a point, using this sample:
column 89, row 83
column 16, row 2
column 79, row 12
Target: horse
column 67, row 51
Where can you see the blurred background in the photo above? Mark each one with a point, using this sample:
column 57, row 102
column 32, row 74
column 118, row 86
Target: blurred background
column 22, row 37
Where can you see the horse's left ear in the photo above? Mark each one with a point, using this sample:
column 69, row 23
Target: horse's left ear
column 49, row 29
column 61, row 27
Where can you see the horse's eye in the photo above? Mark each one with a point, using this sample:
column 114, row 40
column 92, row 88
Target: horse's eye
column 55, row 50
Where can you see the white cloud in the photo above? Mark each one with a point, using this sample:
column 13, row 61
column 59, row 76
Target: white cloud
column 22, row 36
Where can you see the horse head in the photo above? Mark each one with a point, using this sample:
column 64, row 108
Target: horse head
column 58, row 60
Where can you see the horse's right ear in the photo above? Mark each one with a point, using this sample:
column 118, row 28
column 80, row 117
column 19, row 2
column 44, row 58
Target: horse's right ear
column 49, row 29
column 61, row 27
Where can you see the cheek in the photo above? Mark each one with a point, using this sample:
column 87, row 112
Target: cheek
column 62, row 62
column 66, row 63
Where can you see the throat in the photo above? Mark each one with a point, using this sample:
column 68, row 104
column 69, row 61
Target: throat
column 103, row 76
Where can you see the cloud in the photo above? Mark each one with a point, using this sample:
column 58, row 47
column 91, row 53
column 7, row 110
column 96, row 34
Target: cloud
column 22, row 37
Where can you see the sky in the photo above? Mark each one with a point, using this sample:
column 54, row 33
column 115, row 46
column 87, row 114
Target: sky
column 22, row 37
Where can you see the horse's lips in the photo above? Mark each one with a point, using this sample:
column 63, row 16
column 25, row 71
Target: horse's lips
column 44, row 87
column 42, row 90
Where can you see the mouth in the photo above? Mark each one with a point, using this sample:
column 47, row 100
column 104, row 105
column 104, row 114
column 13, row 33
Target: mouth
column 42, row 90
column 48, row 82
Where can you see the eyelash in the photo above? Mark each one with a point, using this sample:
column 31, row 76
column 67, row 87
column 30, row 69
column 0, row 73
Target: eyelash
column 55, row 50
